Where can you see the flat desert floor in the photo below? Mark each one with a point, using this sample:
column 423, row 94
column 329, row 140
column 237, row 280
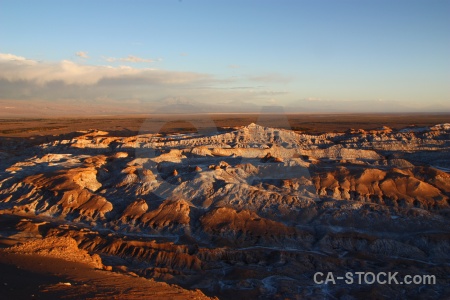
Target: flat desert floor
column 133, row 124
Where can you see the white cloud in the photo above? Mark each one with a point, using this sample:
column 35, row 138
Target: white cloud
column 7, row 57
column 132, row 59
column 135, row 59
column 82, row 54
column 13, row 69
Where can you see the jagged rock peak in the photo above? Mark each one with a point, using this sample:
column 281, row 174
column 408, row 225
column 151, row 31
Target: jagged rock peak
column 444, row 126
column 256, row 126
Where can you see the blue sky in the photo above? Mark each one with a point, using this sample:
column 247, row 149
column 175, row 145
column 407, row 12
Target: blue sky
column 335, row 54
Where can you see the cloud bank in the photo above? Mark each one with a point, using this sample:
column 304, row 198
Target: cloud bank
column 97, row 89
column 19, row 69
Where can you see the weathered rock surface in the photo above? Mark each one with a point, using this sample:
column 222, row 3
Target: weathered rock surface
column 253, row 212
column 65, row 248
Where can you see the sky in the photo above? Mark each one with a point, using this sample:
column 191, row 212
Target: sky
column 112, row 56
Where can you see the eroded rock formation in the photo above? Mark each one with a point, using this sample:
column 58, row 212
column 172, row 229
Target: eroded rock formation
column 253, row 212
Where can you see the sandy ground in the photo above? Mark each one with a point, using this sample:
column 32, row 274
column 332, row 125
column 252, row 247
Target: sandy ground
column 36, row 277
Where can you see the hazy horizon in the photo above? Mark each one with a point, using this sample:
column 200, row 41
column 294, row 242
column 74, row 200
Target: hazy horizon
column 112, row 57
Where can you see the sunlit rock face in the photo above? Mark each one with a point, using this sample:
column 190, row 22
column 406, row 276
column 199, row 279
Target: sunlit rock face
column 253, row 212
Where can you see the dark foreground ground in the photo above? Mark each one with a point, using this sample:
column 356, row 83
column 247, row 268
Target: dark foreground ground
column 36, row 277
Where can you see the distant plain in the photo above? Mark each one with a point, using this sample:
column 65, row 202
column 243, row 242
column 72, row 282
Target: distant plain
column 128, row 125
